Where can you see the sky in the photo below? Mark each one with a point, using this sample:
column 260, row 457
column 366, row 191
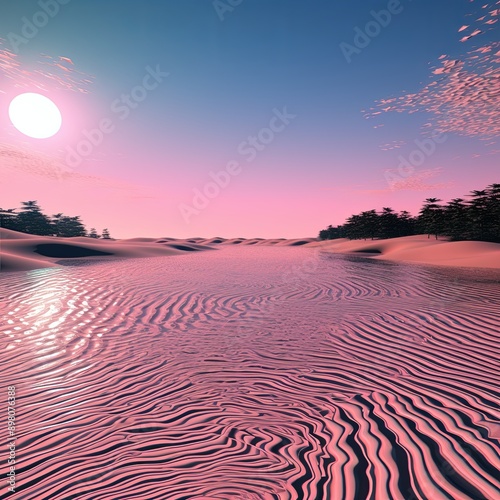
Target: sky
column 251, row 118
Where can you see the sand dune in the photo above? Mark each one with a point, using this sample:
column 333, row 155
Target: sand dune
column 23, row 251
column 13, row 262
column 420, row 249
column 20, row 252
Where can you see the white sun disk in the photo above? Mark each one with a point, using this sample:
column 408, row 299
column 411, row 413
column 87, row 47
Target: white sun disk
column 35, row 115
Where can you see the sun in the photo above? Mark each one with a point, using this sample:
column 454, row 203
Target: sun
column 35, row 115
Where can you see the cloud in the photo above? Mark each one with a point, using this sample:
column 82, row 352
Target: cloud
column 419, row 181
column 17, row 161
column 392, row 145
column 463, row 93
column 47, row 73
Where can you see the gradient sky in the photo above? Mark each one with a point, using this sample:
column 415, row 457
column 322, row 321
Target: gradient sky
column 226, row 78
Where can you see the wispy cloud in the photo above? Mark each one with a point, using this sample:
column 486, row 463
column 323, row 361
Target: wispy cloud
column 419, row 181
column 46, row 73
column 390, row 146
column 18, row 161
column 463, row 94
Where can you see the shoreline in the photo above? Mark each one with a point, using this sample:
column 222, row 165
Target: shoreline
column 420, row 250
column 24, row 252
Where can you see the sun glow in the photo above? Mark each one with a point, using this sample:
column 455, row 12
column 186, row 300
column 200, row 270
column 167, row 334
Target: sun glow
column 35, row 115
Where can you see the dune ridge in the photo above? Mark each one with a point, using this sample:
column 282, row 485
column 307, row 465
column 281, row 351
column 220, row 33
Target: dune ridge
column 421, row 249
column 20, row 251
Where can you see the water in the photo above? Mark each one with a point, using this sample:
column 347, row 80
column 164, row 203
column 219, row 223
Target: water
column 253, row 373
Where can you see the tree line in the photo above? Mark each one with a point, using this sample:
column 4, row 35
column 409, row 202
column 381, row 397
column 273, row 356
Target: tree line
column 32, row 220
column 476, row 218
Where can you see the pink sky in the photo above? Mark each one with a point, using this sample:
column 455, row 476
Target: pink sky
column 332, row 159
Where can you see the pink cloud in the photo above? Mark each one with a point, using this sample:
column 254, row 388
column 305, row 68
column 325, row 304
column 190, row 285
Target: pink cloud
column 417, row 181
column 48, row 73
column 463, row 93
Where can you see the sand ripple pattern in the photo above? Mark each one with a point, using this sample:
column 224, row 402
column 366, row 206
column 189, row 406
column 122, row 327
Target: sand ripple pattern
column 255, row 374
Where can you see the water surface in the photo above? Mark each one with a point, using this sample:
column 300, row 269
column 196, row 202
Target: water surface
column 253, row 373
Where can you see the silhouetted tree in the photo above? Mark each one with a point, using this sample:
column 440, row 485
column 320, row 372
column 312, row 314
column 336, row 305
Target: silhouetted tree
column 388, row 223
column 330, row 233
column 406, row 224
column 476, row 219
column 105, row 234
column 8, row 219
column 31, row 220
column 71, row 227
column 93, row 233
column 430, row 217
column 455, row 219
column 477, row 212
column 354, row 227
column 492, row 213
column 56, row 223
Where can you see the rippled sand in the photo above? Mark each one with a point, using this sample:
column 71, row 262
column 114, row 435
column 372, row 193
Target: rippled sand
column 253, row 373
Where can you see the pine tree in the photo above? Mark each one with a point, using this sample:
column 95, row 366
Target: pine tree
column 56, row 223
column 71, row 227
column 478, row 213
column 492, row 222
column 31, row 220
column 430, row 218
column 8, row 219
column 455, row 216
column 389, row 223
column 477, row 219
